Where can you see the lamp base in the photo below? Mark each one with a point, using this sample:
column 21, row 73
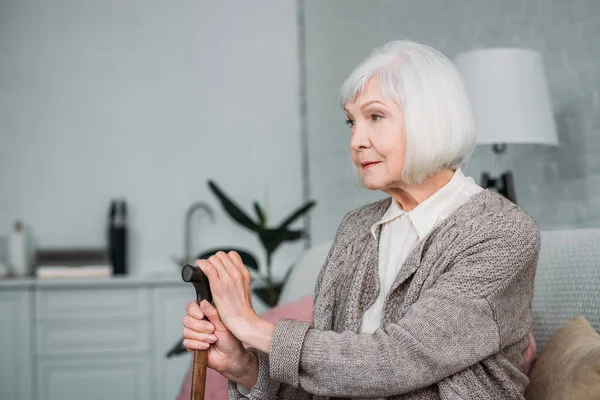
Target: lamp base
column 503, row 185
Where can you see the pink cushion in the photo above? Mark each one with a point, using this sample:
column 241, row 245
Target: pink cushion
column 529, row 354
column 216, row 384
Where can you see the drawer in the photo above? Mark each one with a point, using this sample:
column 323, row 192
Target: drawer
column 95, row 378
column 91, row 302
column 92, row 336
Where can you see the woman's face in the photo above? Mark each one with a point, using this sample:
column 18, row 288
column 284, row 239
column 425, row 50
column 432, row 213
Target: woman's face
column 378, row 138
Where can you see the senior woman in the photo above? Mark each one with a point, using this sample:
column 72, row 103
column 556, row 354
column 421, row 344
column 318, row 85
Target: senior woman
column 424, row 295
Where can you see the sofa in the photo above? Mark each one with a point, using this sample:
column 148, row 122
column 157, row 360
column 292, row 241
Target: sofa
column 567, row 285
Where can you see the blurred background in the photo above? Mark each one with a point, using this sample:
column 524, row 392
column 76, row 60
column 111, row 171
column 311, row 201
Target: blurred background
column 147, row 101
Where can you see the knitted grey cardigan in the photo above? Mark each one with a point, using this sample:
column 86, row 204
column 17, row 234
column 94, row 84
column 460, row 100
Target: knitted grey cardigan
column 454, row 324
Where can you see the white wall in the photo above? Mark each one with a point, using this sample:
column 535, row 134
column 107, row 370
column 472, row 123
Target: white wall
column 147, row 100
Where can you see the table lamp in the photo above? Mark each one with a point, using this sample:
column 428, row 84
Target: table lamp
column 509, row 95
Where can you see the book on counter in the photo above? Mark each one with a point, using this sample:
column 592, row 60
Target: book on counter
column 73, row 263
column 65, row 271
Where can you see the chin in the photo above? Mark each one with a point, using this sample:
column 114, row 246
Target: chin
column 371, row 184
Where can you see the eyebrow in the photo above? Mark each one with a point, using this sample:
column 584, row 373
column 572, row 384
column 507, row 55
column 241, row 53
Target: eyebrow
column 368, row 103
column 371, row 102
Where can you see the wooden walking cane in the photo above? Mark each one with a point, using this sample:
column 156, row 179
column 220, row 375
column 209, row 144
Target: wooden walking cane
column 200, row 282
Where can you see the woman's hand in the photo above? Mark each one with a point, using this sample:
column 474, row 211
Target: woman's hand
column 230, row 286
column 226, row 353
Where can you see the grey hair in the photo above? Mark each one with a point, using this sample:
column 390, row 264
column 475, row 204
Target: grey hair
column 427, row 86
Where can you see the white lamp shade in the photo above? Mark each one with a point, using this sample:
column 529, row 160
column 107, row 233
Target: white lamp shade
column 509, row 95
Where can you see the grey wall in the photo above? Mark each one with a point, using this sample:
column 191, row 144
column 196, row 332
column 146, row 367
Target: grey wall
column 559, row 187
column 147, row 100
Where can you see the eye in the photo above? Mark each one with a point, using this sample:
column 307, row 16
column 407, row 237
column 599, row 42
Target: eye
column 375, row 117
column 349, row 122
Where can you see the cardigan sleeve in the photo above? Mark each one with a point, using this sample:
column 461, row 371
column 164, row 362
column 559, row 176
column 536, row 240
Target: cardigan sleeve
column 476, row 308
column 266, row 388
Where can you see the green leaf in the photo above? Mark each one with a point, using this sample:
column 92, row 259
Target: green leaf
column 272, row 238
column 263, row 294
column 297, row 213
column 248, row 259
column 176, row 349
column 233, row 209
column 290, row 236
column 262, row 218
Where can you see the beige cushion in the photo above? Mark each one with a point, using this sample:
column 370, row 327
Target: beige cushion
column 569, row 365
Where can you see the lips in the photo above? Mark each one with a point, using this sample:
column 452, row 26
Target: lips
column 368, row 164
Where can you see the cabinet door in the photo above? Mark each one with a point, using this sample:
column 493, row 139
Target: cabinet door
column 169, row 309
column 16, row 375
column 94, row 379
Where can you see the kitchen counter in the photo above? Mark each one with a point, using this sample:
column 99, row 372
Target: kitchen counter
column 114, row 281
column 66, row 338
column 112, row 334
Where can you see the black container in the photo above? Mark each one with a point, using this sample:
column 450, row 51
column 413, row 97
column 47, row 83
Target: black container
column 117, row 237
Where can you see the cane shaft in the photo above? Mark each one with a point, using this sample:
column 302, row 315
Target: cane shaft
column 202, row 286
column 199, row 374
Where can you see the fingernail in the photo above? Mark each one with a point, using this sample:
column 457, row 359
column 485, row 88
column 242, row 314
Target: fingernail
column 197, row 315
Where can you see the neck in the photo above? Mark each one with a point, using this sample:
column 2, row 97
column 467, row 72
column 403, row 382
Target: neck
column 410, row 196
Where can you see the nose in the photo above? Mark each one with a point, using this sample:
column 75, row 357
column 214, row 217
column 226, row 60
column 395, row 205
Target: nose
column 360, row 138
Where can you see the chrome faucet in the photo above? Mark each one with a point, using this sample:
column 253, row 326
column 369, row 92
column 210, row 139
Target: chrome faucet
column 200, row 205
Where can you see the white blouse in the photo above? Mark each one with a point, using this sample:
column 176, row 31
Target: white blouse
column 401, row 231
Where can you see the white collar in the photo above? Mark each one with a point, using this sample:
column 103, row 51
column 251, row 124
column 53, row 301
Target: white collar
column 425, row 215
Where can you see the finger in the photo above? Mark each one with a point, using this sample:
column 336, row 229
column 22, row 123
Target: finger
column 201, row 337
column 210, row 272
column 229, row 266
column 198, row 325
column 192, row 345
column 218, row 265
column 239, row 264
column 193, row 308
column 213, row 315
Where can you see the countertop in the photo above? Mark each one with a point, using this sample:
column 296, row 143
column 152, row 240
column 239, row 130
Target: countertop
column 155, row 280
